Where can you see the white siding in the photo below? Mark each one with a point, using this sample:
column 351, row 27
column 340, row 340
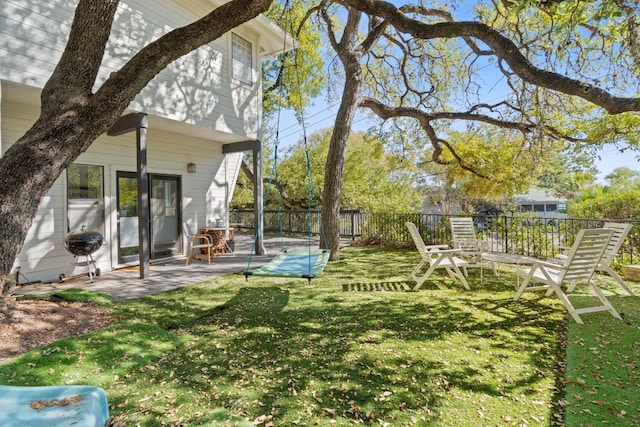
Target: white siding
column 43, row 256
column 32, row 38
column 196, row 89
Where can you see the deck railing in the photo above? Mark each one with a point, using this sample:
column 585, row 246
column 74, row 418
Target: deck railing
column 520, row 233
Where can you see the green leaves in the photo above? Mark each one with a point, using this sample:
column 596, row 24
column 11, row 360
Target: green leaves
column 293, row 79
column 372, row 180
column 624, row 204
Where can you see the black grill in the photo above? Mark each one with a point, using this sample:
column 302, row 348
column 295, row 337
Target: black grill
column 83, row 243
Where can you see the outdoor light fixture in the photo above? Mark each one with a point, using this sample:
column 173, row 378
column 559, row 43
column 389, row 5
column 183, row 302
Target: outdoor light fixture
column 191, row 167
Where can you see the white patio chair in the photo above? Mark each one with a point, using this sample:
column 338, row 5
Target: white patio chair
column 464, row 238
column 620, row 232
column 577, row 268
column 436, row 256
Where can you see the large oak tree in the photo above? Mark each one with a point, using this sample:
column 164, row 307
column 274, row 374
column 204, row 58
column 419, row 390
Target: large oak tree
column 421, row 63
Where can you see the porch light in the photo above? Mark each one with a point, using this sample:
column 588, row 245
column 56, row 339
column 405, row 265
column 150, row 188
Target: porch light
column 191, row 167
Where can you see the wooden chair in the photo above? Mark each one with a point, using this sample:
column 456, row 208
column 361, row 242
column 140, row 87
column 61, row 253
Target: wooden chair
column 436, row 256
column 577, row 268
column 198, row 243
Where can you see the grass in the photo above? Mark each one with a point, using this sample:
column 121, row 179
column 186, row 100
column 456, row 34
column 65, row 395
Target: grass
column 355, row 347
column 603, row 368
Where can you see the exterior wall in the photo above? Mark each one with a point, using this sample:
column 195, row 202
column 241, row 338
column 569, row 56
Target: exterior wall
column 542, row 203
column 205, row 194
column 33, row 35
column 195, row 95
column 43, row 250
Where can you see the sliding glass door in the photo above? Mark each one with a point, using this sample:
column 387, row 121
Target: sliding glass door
column 165, row 216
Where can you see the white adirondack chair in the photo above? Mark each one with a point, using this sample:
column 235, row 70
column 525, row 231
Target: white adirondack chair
column 463, row 237
column 436, row 256
column 620, row 231
column 577, row 268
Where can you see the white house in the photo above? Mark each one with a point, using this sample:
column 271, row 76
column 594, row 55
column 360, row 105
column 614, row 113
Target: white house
column 198, row 115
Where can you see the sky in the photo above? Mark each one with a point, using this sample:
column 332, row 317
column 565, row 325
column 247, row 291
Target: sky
column 610, row 158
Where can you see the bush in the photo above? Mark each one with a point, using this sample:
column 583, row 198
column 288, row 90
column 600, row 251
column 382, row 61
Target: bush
column 617, row 205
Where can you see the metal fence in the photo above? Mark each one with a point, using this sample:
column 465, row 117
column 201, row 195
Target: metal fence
column 524, row 234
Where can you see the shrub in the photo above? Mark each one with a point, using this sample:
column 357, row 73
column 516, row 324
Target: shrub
column 617, row 205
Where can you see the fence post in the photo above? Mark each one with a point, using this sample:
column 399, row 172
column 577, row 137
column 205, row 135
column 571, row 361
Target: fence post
column 353, row 225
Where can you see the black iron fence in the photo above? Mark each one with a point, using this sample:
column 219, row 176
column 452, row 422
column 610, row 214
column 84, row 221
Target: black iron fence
column 523, row 234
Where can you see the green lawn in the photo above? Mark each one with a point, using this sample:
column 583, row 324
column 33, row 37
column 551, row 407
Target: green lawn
column 354, row 347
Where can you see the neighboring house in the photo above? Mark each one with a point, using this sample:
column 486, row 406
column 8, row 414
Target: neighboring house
column 448, row 207
column 542, row 203
column 198, row 116
column 536, row 200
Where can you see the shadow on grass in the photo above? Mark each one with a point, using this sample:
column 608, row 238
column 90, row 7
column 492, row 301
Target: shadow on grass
column 311, row 350
column 602, row 364
column 380, row 286
column 336, row 350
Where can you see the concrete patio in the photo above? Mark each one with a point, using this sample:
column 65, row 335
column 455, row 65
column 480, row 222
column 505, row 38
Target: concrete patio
column 125, row 283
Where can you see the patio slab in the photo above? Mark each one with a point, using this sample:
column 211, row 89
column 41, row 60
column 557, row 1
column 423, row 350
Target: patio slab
column 125, row 283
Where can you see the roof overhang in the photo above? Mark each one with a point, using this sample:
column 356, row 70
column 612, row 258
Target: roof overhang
column 273, row 39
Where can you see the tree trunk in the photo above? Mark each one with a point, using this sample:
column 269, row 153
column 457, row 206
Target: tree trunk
column 30, row 167
column 334, row 169
column 72, row 116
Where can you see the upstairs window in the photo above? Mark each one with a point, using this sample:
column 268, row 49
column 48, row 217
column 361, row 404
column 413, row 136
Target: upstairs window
column 241, row 62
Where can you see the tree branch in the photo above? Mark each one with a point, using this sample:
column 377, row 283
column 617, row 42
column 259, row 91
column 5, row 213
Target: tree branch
column 266, row 180
column 385, row 112
column 504, row 48
column 80, row 62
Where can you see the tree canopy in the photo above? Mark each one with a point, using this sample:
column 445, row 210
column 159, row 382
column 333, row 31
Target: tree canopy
column 291, row 80
column 618, row 198
column 373, row 179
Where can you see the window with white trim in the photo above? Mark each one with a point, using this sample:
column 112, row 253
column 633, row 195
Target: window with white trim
column 241, row 59
column 85, row 197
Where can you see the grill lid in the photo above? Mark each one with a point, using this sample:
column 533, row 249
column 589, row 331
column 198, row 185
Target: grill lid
column 83, row 242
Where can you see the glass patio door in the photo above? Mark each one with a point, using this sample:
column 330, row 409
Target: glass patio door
column 127, row 200
column 165, row 216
